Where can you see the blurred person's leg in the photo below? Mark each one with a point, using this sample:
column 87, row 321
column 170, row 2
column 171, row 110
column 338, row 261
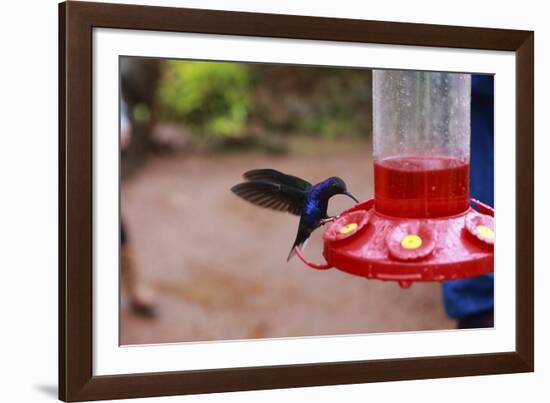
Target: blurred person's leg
column 471, row 301
column 140, row 295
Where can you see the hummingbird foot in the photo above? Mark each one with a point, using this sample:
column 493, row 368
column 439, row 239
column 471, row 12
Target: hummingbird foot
column 328, row 220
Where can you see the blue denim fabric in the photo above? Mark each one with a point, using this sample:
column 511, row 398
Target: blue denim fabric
column 467, row 297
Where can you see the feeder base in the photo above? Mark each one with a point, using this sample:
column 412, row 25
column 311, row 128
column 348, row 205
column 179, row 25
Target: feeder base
column 365, row 243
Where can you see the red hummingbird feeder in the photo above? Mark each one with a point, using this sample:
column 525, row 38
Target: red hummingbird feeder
column 421, row 224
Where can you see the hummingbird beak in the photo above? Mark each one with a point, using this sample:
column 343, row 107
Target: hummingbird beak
column 352, row 196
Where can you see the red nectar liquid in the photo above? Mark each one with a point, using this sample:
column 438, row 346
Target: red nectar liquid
column 421, row 187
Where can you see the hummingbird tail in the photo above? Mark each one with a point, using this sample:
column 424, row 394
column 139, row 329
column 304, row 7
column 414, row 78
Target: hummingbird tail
column 301, row 245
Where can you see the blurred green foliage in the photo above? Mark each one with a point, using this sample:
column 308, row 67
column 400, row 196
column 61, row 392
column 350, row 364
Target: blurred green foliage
column 339, row 105
column 251, row 104
column 213, row 98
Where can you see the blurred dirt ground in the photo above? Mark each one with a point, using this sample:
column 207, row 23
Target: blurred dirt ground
column 218, row 264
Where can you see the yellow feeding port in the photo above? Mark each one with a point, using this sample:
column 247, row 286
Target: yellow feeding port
column 346, row 229
column 411, row 241
column 485, row 232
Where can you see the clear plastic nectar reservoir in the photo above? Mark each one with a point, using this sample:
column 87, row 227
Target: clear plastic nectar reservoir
column 421, row 143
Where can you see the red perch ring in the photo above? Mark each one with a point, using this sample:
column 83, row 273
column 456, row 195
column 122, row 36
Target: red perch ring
column 482, row 227
column 347, row 225
column 410, row 241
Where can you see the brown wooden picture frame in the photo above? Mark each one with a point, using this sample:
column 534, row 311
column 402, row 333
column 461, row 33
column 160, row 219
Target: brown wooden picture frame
column 77, row 20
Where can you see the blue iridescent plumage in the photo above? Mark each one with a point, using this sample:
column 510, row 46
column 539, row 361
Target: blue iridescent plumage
column 273, row 189
column 316, row 202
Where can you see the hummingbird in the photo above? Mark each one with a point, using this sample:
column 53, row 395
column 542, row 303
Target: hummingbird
column 272, row 189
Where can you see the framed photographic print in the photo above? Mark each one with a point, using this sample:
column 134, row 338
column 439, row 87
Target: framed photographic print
column 201, row 150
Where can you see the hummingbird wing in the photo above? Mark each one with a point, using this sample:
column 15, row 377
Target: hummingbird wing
column 274, row 176
column 276, row 196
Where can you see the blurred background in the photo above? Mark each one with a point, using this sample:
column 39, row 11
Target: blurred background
column 200, row 264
